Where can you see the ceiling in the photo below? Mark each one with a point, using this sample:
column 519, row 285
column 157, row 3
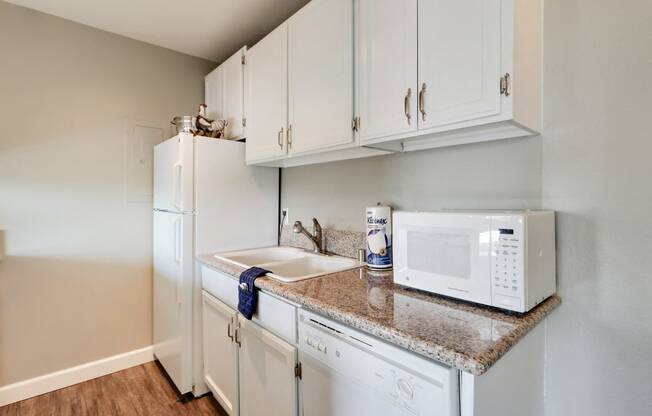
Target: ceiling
column 210, row 29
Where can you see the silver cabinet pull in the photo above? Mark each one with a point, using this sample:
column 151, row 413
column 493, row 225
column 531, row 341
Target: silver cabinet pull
column 422, row 101
column 505, row 84
column 280, row 138
column 290, row 137
column 406, row 105
column 237, row 338
column 228, row 330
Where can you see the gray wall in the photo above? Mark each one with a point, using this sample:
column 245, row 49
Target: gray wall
column 593, row 165
column 501, row 175
column 75, row 281
column 597, row 172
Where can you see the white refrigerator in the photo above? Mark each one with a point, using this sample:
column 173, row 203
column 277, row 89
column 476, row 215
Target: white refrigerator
column 205, row 200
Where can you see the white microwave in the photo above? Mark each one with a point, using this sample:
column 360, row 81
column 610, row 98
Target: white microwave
column 503, row 259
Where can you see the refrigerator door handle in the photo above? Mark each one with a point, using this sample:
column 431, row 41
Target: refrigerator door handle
column 176, row 185
column 177, row 257
column 177, row 242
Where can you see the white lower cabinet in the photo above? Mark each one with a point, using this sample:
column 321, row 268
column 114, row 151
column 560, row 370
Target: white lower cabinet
column 220, row 352
column 267, row 379
column 249, row 369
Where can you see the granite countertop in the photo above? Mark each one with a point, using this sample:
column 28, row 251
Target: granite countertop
column 466, row 336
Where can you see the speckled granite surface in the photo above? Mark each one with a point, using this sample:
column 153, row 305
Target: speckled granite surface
column 463, row 335
column 340, row 242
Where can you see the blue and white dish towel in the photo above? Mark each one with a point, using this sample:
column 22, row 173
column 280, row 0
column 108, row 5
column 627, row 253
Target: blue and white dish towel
column 247, row 295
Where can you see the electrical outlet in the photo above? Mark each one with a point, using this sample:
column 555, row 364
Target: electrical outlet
column 285, row 214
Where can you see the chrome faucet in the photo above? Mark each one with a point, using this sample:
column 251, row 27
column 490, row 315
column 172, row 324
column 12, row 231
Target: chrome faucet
column 315, row 237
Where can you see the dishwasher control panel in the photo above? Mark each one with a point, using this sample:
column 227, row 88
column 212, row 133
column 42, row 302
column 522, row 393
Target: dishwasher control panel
column 315, row 343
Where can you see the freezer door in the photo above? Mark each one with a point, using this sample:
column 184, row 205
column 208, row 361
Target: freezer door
column 236, row 205
column 173, row 174
column 173, row 277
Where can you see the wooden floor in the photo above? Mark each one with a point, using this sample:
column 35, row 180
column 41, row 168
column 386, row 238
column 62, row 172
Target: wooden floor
column 142, row 390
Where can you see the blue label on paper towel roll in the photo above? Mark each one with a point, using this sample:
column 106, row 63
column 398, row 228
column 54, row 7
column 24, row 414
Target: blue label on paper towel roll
column 379, row 237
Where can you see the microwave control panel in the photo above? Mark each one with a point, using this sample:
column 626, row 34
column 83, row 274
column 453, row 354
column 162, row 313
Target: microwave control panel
column 507, row 248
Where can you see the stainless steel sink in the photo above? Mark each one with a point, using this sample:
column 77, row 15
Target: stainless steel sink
column 289, row 264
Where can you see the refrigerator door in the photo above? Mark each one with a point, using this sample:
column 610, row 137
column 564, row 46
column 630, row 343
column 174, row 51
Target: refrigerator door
column 173, row 174
column 173, row 295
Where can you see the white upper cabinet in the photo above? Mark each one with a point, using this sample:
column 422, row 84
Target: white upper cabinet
column 386, row 70
column 233, row 94
column 478, row 73
column 459, row 60
column 320, row 65
column 300, row 90
column 343, row 79
column 266, row 98
column 213, row 94
column 224, row 89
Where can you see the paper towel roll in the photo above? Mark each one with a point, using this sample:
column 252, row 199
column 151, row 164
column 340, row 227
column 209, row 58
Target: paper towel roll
column 379, row 237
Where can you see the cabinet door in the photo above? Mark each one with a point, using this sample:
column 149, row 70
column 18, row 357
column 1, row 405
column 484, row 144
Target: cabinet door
column 267, row 381
column 387, row 67
column 213, row 94
column 459, row 60
column 233, row 94
column 320, row 65
column 266, row 99
column 220, row 352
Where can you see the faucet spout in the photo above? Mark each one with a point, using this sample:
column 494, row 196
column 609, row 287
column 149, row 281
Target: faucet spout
column 316, row 229
column 316, row 238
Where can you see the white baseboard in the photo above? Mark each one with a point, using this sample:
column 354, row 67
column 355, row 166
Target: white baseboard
column 73, row 375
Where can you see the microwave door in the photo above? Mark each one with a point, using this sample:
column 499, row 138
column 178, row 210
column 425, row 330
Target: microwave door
column 450, row 256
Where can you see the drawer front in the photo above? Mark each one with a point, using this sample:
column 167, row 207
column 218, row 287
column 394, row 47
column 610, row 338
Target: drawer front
column 276, row 316
column 220, row 285
column 272, row 313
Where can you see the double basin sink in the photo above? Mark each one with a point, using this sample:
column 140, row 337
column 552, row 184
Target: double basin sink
column 289, row 264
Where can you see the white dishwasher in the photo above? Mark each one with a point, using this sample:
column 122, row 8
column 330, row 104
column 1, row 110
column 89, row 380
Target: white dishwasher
column 348, row 373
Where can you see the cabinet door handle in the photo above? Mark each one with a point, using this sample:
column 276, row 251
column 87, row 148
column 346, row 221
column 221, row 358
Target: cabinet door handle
column 505, row 82
column 406, row 105
column 422, row 101
column 237, row 338
column 290, row 137
column 228, row 331
column 177, row 240
column 280, row 138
